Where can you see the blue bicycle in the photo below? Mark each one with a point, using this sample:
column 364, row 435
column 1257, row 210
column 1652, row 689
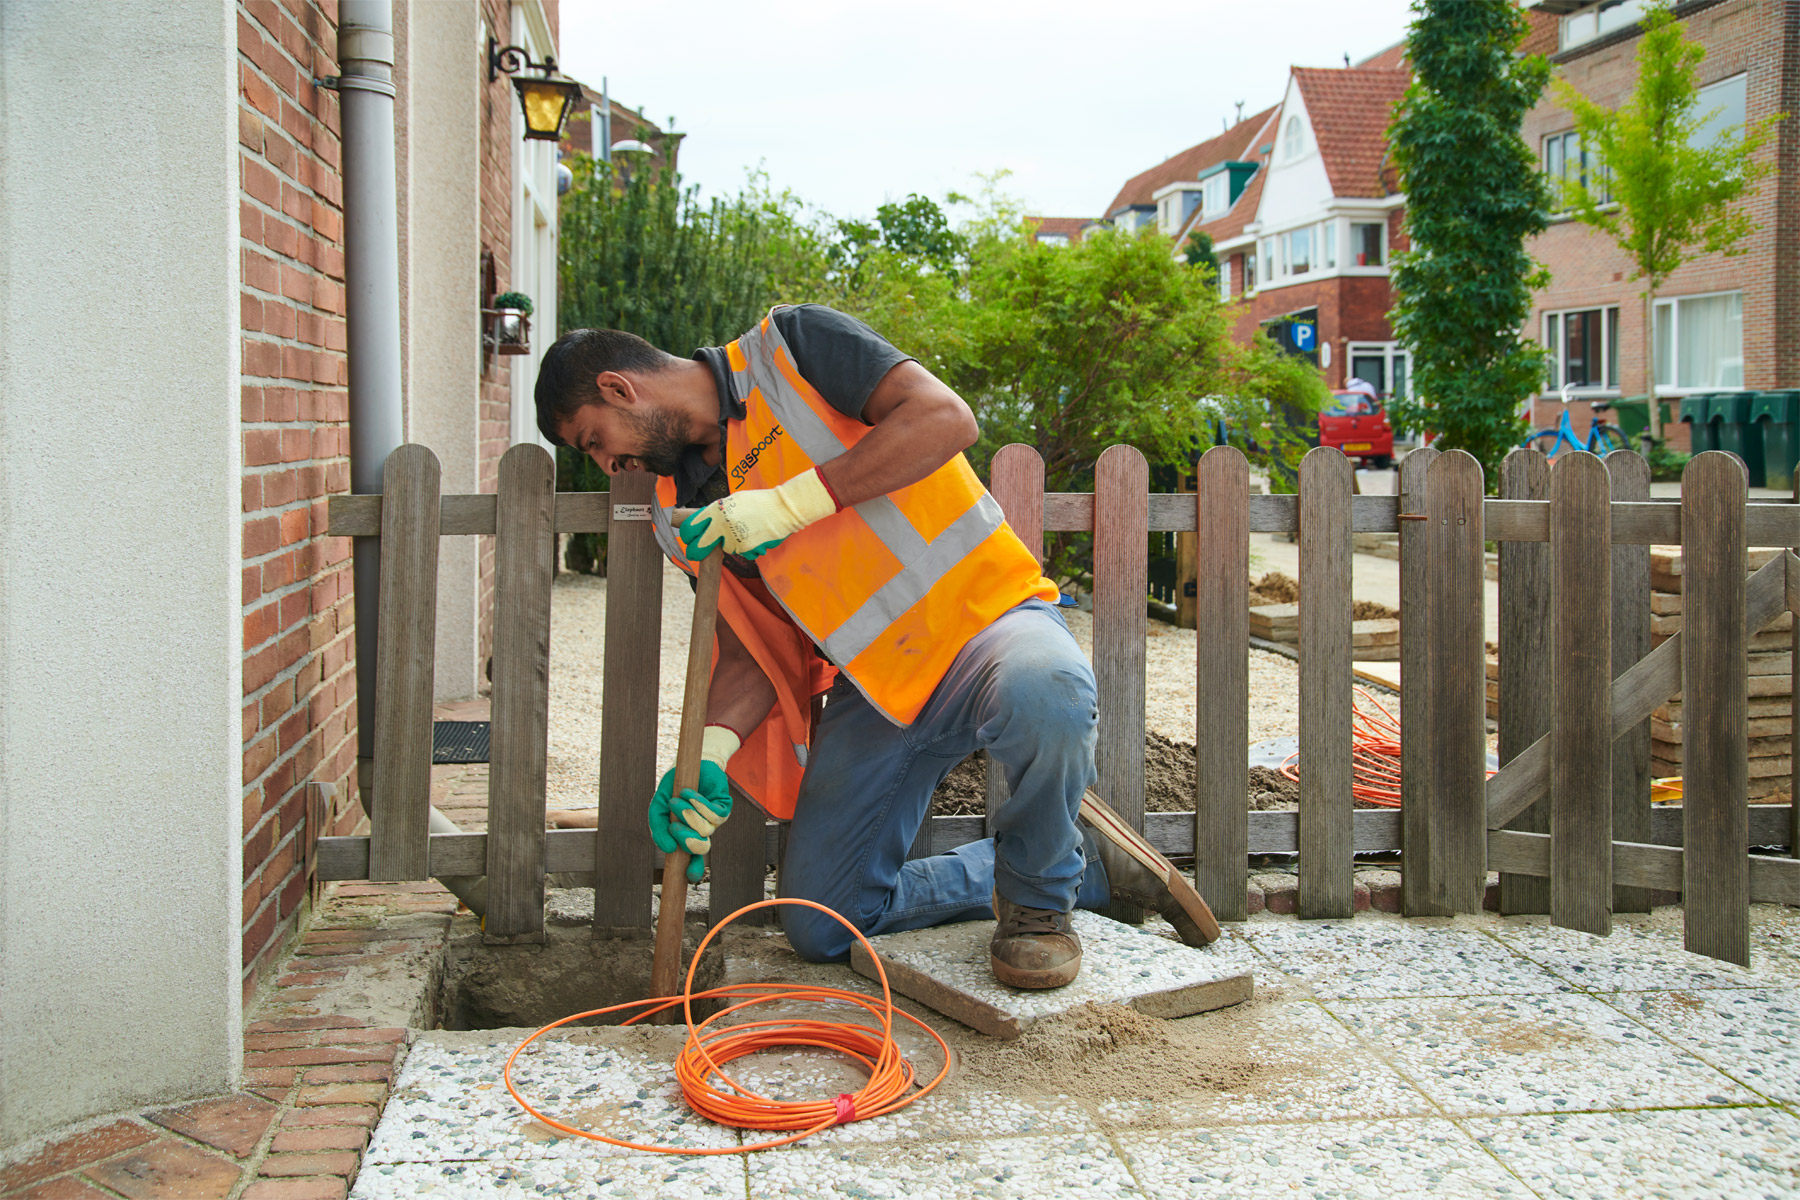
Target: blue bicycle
column 1601, row 439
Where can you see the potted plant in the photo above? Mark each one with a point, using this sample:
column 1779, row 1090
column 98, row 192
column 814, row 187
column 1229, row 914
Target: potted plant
column 511, row 316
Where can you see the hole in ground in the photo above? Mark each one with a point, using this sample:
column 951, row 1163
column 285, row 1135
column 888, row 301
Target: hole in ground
column 575, row 969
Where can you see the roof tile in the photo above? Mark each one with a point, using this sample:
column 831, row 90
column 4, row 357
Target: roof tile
column 1350, row 112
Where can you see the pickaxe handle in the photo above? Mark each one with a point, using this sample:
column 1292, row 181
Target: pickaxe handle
column 665, row 966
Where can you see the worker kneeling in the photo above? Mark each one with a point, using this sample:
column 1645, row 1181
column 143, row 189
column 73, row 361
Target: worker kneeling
column 866, row 563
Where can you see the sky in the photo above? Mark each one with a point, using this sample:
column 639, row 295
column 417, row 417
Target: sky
column 851, row 105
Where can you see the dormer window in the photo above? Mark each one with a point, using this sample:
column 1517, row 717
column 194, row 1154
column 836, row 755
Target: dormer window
column 1294, row 141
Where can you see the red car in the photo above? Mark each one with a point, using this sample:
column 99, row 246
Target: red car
column 1356, row 424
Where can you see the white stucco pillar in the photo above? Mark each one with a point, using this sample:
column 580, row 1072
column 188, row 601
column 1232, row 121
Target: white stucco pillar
column 120, row 616
column 440, row 70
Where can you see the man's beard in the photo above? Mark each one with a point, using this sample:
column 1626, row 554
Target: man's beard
column 664, row 441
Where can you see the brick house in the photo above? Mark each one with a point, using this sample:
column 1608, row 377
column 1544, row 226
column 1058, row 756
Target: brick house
column 1722, row 323
column 1303, row 213
column 175, row 366
column 591, row 113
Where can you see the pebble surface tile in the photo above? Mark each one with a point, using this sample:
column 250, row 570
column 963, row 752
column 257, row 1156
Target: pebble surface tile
column 1000, row 1168
column 1497, row 1054
column 1631, row 959
column 1480, row 1057
column 1119, row 964
column 1720, row 1154
column 1310, row 1067
column 1367, row 1160
column 1753, row 1035
column 1361, row 958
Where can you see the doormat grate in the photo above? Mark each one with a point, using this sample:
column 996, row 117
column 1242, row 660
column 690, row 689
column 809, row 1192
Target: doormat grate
column 459, row 741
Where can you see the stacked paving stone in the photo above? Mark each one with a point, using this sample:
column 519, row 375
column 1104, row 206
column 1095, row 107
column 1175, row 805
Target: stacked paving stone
column 1771, row 683
column 1373, row 640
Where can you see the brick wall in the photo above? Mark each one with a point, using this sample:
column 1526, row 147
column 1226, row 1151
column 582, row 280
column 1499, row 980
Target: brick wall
column 495, row 411
column 299, row 681
column 1352, row 308
column 1755, row 37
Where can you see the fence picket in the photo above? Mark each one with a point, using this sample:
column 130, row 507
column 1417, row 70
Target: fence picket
column 1016, row 480
column 623, row 852
column 1525, row 659
column 524, row 567
column 1457, row 826
column 1630, row 478
column 1121, row 582
column 1327, row 876
column 1715, row 752
column 1581, row 806
column 1222, row 681
column 405, row 656
column 1416, row 887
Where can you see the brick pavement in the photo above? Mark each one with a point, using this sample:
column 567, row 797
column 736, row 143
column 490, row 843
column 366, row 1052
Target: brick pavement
column 314, row 1080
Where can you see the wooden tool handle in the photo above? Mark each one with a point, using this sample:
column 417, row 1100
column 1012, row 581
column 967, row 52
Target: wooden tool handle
column 665, row 966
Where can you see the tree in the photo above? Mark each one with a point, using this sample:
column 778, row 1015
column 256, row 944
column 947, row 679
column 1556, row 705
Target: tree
column 1474, row 194
column 647, row 257
column 1199, row 252
column 1071, row 349
column 1653, row 187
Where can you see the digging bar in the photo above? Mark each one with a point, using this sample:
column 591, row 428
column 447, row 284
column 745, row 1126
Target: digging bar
column 665, row 965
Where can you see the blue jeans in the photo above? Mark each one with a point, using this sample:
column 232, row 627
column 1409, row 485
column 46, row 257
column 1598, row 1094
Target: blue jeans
column 1022, row 690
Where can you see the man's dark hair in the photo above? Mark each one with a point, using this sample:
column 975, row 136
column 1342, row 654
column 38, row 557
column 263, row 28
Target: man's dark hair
column 565, row 382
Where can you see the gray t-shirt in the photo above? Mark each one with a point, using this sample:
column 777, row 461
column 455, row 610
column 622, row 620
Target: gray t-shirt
column 839, row 355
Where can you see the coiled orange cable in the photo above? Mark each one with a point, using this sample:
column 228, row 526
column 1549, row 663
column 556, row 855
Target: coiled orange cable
column 892, row 1082
column 1374, row 754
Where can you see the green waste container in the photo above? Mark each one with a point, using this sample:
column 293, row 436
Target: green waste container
column 1632, row 416
column 1738, row 434
column 1777, row 414
column 1696, row 411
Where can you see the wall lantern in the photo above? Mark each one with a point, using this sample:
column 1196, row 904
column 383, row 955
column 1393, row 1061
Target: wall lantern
column 546, row 102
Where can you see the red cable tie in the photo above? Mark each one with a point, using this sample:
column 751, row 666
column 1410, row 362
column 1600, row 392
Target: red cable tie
column 846, row 1108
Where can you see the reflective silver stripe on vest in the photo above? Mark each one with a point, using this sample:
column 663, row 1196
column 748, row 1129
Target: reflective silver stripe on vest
column 893, row 598
column 664, row 528
column 821, row 445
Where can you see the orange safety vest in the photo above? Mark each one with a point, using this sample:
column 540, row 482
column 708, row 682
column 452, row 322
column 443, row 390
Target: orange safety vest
column 891, row 589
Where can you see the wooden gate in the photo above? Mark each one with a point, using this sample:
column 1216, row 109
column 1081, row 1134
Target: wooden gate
column 1567, row 820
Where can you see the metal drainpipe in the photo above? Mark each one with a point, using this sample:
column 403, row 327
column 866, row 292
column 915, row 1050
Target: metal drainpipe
column 372, row 333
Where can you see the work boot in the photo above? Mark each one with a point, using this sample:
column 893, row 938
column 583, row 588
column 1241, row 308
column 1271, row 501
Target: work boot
column 1134, row 883
column 1033, row 947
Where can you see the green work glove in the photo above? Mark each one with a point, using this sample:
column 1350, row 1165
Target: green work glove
column 688, row 821
column 754, row 522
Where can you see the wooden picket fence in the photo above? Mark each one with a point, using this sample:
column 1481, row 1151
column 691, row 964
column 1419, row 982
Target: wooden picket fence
column 1567, row 821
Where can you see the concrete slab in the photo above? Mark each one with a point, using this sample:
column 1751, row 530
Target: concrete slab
column 946, row 968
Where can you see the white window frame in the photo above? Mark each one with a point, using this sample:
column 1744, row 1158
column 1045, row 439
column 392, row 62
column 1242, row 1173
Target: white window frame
column 1224, row 261
column 1596, row 20
column 1215, row 195
column 1666, row 387
column 1293, row 138
column 1554, row 346
column 1380, row 268
column 1389, row 352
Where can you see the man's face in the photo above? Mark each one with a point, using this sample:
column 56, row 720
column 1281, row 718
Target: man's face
column 641, row 436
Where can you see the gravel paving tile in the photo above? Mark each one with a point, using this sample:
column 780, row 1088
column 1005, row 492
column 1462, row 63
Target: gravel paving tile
column 1374, row 957
column 1751, row 1034
column 1367, row 1160
column 661, row 1176
column 1719, row 1153
column 1308, row 1067
column 1636, row 957
column 1477, row 1056
column 1001, row 1168
column 450, row 1102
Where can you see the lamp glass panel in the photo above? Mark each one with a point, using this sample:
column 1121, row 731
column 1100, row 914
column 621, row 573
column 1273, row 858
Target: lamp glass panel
column 544, row 103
